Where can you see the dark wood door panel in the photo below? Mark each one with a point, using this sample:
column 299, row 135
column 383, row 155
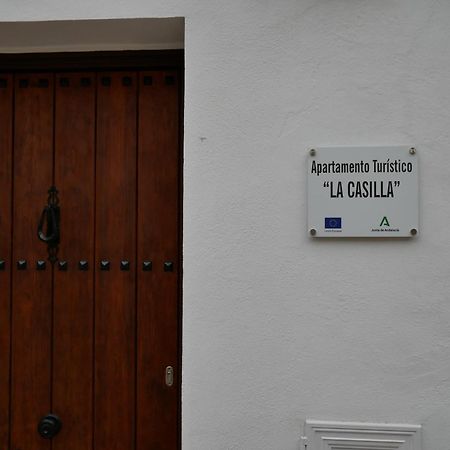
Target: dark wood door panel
column 73, row 287
column 158, row 229
column 32, row 289
column 90, row 340
column 115, row 291
column 6, row 127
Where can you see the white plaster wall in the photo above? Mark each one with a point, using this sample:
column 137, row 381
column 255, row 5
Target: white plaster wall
column 279, row 327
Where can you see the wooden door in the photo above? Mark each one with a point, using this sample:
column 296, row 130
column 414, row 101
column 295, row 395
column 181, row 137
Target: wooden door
column 92, row 338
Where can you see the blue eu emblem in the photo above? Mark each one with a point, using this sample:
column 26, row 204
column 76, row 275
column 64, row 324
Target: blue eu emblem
column 333, row 222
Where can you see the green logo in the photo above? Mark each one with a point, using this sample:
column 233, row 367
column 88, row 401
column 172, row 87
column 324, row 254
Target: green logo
column 385, row 222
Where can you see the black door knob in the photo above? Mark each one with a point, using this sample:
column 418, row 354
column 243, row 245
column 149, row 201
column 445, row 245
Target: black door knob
column 49, row 426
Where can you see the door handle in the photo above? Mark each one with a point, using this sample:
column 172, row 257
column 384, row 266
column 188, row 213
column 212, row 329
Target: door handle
column 50, row 220
column 49, row 426
column 50, row 214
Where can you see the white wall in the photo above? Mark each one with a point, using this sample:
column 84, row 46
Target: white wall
column 279, row 327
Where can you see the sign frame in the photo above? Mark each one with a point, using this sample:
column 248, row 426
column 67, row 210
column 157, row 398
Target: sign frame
column 367, row 192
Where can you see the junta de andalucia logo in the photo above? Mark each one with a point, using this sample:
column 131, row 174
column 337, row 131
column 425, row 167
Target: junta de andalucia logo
column 385, row 226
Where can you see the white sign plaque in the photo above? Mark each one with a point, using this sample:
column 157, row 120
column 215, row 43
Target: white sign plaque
column 363, row 192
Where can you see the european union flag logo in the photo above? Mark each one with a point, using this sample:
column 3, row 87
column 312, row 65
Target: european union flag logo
column 333, row 222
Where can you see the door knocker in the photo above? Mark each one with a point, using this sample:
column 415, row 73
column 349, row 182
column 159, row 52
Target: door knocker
column 50, row 220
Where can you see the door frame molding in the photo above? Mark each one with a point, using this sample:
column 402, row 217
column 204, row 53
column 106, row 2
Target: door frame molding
column 95, row 60
column 121, row 60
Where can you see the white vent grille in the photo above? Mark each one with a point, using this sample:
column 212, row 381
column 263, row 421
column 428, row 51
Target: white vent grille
column 321, row 435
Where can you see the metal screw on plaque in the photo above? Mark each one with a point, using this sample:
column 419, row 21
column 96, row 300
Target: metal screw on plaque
column 312, row 232
column 412, row 151
column 312, row 152
column 413, row 231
